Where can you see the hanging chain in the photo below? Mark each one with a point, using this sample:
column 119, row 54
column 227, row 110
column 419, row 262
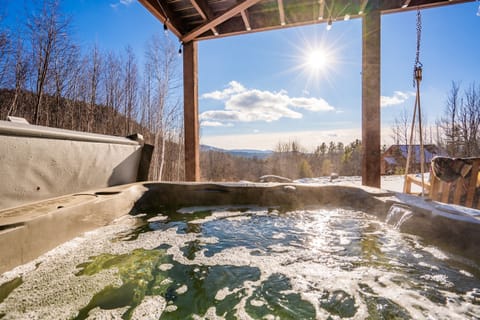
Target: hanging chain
column 418, row 64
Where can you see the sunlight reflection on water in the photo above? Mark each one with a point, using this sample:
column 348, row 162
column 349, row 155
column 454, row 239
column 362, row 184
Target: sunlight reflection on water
column 256, row 263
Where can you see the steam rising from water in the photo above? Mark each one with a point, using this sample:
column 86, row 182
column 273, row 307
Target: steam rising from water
column 246, row 263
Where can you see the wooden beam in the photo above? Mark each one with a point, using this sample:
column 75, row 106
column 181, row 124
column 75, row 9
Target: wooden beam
column 321, row 9
column 362, row 7
column 160, row 16
column 201, row 6
column 261, row 29
column 425, row 6
column 371, row 97
column 281, row 12
column 246, row 21
column 237, row 9
column 190, row 111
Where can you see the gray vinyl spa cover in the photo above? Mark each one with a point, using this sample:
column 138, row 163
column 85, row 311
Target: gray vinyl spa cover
column 38, row 163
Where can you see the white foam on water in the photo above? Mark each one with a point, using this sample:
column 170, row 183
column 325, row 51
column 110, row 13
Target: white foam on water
column 238, row 218
column 114, row 314
column 151, row 308
column 344, row 241
column 466, row 273
column 437, row 253
column 165, row 266
column 191, row 210
column 52, row 290
column 158, row 218
column 429, row 266
column 222, row 293
column 257, row 303
column 271, row 317
column 222, row 215
column 279, row 235
column 166, row 281
column 439, row 278
column 417, row 255
column 171, row 308
column 211, row 314
column 182, row 289
column 320, row 266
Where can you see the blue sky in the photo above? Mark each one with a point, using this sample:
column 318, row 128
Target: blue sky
column 258, row 89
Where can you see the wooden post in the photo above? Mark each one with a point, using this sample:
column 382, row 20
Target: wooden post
column 190, row 111
column 371, row 96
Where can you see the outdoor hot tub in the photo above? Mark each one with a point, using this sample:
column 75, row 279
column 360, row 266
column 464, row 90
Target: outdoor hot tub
column 239, row 251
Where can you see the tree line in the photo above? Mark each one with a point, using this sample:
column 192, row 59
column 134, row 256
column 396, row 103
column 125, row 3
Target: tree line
column 289, row 160
column 49, row 79
column 457, row 130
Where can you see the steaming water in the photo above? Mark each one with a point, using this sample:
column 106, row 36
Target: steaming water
column 237, row 263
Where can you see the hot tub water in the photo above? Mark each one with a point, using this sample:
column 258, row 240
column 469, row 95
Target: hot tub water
column 241, row 263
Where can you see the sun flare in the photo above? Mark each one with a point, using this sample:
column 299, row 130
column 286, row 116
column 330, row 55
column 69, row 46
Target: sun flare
column 317, row 59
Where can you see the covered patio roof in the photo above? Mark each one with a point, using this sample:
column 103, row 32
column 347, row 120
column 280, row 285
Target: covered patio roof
column 195, row 20
column 206, row 19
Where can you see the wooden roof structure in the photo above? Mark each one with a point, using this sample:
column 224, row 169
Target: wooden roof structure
column 206, row 19
column 195, row 20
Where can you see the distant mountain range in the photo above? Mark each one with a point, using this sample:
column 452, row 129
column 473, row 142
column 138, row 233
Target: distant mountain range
column 244, row 153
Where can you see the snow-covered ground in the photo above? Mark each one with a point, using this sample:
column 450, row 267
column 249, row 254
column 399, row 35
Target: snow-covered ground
column 391, row 183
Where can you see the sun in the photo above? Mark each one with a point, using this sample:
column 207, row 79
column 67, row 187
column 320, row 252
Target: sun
column 317, row 59
column 317, row 62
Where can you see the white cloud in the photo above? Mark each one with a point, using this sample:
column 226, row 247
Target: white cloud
column 215, row 124
column 121, row 2
column 398, row 97
column 233, row 88
column 247, row 105
column 312, row 104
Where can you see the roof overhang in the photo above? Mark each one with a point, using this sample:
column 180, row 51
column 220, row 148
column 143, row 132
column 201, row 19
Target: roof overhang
column 206, row 19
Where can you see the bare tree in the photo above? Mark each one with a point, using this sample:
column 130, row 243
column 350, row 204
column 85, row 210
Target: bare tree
column 73, row 95
column 20, row 75
column 130, row 88
column 448, row 122
column 400, row 128
column 47, row 28
column 113, row 89
column 469, row 121
column 163, row 64
column 5, row 53
column 93, row 63
column 65, row 66
column 146, row 98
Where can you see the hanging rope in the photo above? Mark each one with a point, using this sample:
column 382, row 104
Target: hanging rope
column 417, row 77
column 417, row 63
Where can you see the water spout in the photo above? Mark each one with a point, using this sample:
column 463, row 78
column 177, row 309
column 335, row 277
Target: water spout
column 398, row 215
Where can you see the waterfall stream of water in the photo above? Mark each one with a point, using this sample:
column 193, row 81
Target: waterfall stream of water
column 398, row 215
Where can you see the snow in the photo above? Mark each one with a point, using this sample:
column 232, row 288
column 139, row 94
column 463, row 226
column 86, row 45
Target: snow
column 390, row 182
